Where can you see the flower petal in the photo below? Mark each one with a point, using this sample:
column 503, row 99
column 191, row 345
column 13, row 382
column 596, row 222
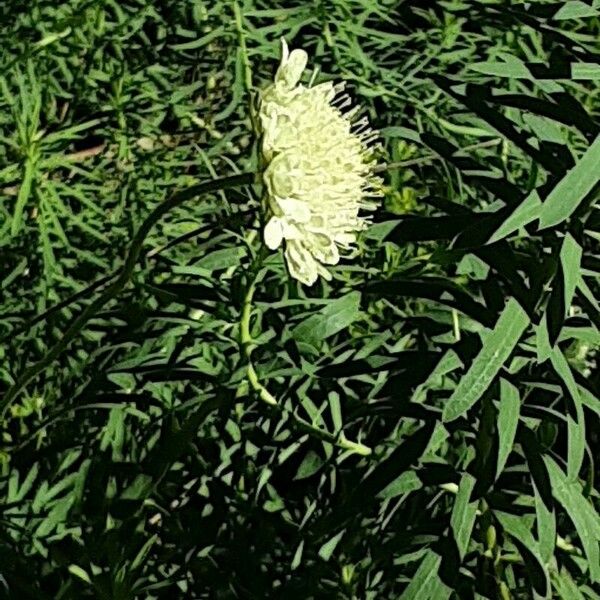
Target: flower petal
column 273, row 233
column 295, row 210
column 301, row 265
column 323, row 248
column 277, row 176
column 291, row 68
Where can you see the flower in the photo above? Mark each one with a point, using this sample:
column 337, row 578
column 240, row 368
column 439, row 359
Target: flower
column 319, row 169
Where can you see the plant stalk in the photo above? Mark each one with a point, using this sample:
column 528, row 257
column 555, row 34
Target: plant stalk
column 247, row 345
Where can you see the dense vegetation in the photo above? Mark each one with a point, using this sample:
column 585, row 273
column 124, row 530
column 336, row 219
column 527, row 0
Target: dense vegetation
column 459, row 344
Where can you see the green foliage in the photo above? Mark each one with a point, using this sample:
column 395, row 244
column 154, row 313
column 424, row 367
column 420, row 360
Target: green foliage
column 459, row 344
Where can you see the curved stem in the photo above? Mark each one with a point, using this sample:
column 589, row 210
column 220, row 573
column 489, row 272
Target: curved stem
column 247, row 345
column 122, row 279
column 241, row 34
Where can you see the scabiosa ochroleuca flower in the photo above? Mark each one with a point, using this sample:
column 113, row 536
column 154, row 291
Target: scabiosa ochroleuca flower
column 319, row 169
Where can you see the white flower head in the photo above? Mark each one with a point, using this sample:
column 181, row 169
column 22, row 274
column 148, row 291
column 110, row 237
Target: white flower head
column 319, row 170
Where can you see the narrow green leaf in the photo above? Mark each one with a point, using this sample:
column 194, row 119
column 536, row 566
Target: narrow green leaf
column 589, row 400
column 438, row 437
column 510, row 70
column 70, row 132
column 139, row 488
column 528, row 547
column 143, row 553
column 426, row 584
column 508, row 419
column 570, row 258
column 335, row 317
column 542, row 340
column 311, row 463
column 379, row 231
column 449, row 362
column 582, row 513
column 55, row 518
column 575, row 9
column 545, row 129
column 587, row 335
column 572, row 188
column 328, row 548
column 14, row 274
column 404, row 484
column 200, row 42
column 524, row 213
column 546, row 527
column 463, row 515
column 23, row 195
column 221, row 259
column 473, row 266
column 336, row 411
column 25, row 487
column 297, row 556
column 565, row 587
column 576, row 421
column 585, row 71
column 515, row 526
column 587, row 292
column 497, row 347
column 80, row 573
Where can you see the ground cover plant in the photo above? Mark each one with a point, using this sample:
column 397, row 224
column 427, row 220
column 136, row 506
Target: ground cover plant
column 193, row 422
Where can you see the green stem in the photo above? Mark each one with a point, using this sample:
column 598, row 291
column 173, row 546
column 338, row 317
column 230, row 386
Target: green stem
column 247, row 345
column 122, row 279
column 239, row 25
